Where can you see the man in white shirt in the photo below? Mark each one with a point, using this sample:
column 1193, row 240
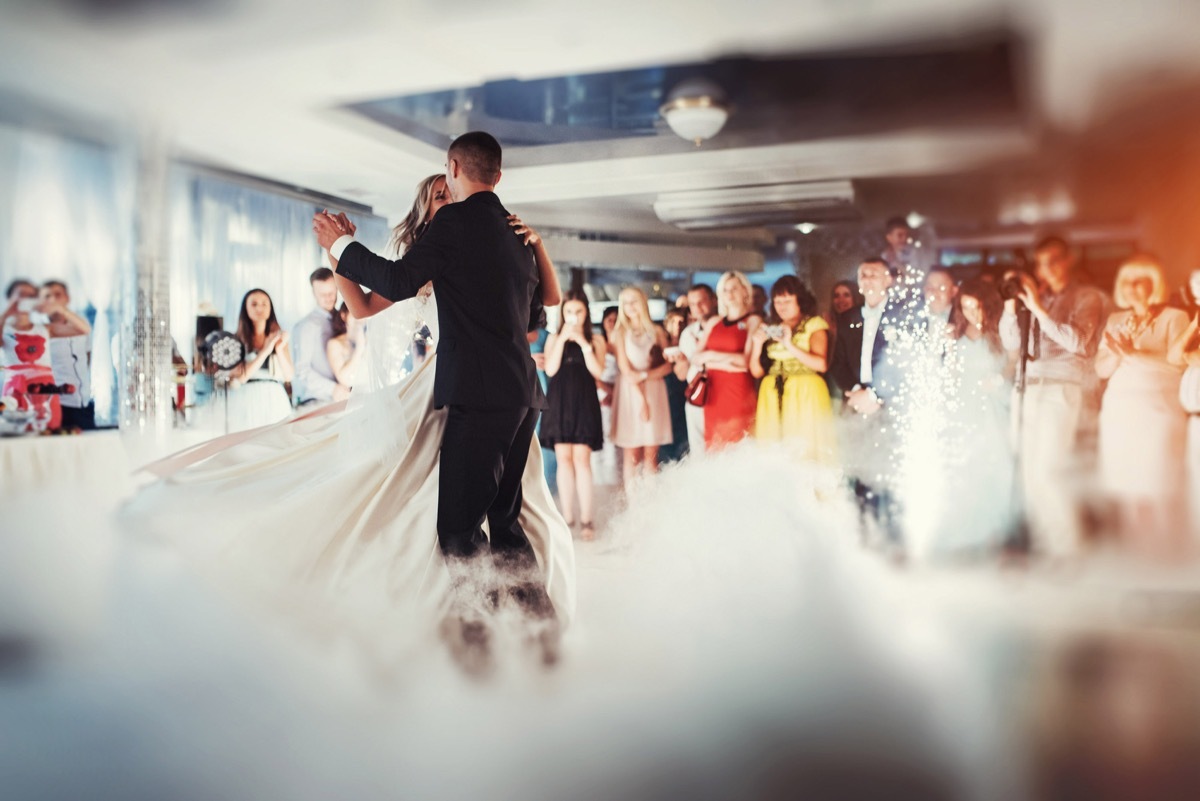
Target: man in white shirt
column 70, row 356
column 1067, row 324
column 702, row 303
column 314, row 381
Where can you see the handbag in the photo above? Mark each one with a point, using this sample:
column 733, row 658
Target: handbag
column 697, row 388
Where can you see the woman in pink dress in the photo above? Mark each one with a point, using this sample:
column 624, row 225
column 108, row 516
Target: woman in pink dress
column 1142, row 424
column 732, row 395
column 641, row 412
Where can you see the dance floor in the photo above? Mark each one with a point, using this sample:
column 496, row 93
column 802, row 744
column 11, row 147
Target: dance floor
column 732, row 640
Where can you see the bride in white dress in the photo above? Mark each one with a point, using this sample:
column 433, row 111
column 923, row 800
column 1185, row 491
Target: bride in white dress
column 343, row 500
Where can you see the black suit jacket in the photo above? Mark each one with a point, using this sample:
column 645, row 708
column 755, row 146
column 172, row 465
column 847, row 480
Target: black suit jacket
column 486, row 281
column 847, row 353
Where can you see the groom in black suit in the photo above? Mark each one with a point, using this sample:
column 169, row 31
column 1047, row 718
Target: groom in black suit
column 869, row 383
column 486, row 282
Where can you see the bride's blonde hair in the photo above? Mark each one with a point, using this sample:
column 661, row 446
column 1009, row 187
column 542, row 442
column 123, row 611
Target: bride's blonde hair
column 416, row 221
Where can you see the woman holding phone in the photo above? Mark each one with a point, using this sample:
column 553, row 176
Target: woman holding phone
column 572, row 424
column 793, row 401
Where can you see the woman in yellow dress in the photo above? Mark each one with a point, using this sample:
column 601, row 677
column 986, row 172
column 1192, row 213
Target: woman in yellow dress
column 793, row 399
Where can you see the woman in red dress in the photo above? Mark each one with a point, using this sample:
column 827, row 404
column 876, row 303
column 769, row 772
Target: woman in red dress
column 732, row 396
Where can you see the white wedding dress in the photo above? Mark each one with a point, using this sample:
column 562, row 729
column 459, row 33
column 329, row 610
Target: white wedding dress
column 336, row 510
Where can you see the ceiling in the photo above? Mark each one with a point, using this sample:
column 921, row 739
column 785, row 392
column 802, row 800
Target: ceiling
column 965, row 107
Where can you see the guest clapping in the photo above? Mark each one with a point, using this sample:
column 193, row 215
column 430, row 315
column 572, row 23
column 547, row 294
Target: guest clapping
column 1142, row 425
column 641, row 413
column 260, row 398
column 793, row 400
column 572, row 424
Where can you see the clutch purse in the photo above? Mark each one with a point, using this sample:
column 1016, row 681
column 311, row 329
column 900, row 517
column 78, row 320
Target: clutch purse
column 697, row 388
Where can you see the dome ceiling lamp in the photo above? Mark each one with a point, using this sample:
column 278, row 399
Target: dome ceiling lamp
column 696, row 109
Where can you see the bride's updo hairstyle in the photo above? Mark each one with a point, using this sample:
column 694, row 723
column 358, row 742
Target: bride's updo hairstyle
column 417, row 220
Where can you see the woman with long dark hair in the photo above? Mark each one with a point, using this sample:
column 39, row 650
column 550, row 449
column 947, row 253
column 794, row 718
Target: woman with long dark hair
column 572, row 424
column 974, row 440
column 259, row 397
column 793, row 399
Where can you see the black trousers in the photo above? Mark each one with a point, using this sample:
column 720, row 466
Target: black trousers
column 483, row 458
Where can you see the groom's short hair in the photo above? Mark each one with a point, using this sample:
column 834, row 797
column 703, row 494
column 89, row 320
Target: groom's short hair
column 478, row 154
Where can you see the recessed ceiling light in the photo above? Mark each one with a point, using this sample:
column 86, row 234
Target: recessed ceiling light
column 806, row 228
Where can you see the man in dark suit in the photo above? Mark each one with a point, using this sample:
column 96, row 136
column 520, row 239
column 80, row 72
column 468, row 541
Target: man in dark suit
column 486, row 281
column 869, row 381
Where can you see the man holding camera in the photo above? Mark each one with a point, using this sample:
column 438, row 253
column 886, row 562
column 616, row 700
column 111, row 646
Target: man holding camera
column 1066, row 324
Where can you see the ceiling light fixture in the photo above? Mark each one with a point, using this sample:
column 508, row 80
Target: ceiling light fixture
column 695, row 109
column 806, row 228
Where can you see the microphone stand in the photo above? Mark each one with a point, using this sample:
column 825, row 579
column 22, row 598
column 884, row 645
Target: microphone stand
column 1018, row 541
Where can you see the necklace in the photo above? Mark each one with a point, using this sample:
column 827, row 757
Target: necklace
column 1136, row 325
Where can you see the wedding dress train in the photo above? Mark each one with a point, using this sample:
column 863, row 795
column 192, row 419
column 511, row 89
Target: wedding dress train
column 342, row 501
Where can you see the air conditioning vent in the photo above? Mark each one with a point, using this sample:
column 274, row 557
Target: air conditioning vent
column 771, row 204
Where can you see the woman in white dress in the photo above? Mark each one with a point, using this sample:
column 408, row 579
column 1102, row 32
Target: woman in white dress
column 1142, row 425
column 343, row 500
column 977, row 451
column 1185, row 353
column 257, row 395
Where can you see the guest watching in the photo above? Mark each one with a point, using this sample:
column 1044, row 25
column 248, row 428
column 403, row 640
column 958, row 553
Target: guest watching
column 940, row 289
column 793, row 401
column 345, row 347
column 641, row 420
column 673, row 324
column 842, row 298
column 315, row 381
column 70, row 356
column 260, row 398
column 1185, row 353
column 758, row 300
column 898, row 251
column 732, row 396
column 25, row 357
column 866, row 378
column 1142, row 425
column 572, row 425
column 982, row 464
column 1068, row 321
column 702, row 305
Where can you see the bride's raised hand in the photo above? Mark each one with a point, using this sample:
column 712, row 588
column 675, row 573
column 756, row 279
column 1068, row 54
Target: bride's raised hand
column 347, row 225
column 531, row 236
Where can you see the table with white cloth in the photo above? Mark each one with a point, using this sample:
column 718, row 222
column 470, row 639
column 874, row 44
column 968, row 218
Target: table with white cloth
column 92, row 465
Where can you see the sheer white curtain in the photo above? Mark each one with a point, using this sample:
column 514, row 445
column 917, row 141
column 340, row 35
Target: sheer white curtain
column 63, row 217
column 229, row 237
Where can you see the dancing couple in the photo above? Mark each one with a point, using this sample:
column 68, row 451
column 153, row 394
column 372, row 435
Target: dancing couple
column 409, row 525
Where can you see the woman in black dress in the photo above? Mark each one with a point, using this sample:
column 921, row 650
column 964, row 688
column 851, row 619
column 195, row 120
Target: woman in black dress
column 574, row 360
